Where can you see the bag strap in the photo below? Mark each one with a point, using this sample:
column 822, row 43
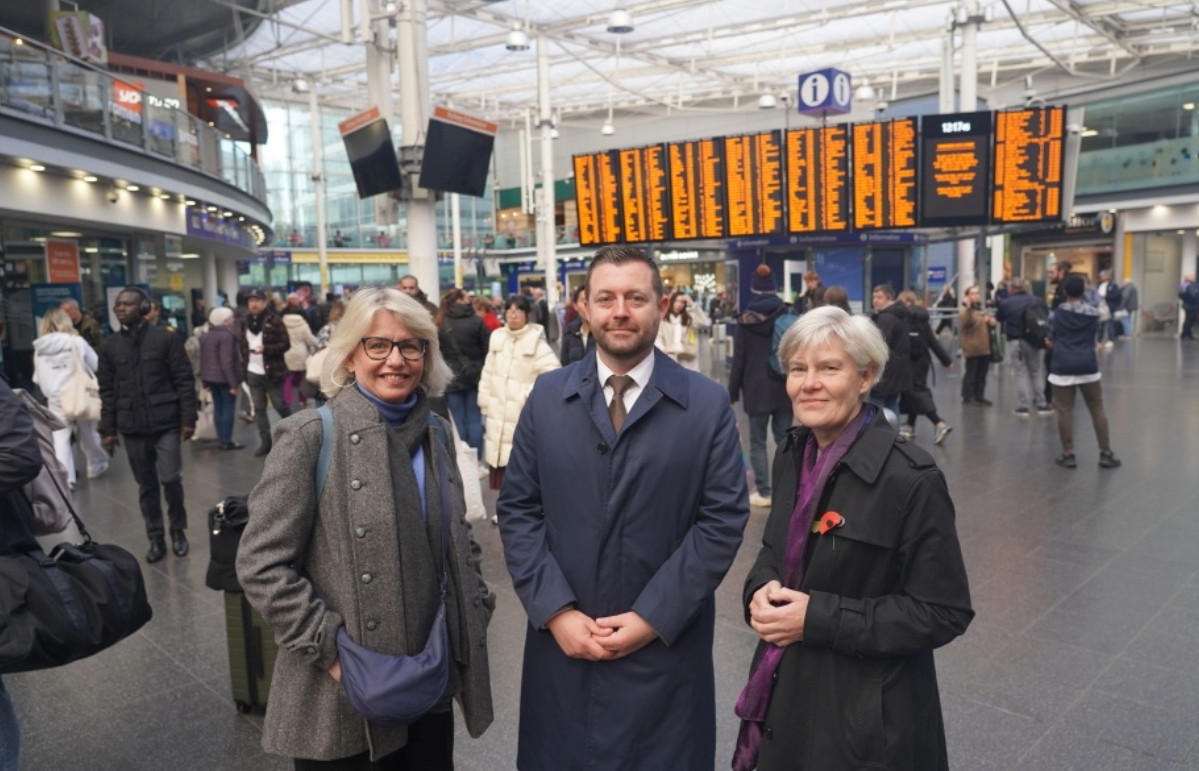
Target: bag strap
column 322, row 462
column 443, row 479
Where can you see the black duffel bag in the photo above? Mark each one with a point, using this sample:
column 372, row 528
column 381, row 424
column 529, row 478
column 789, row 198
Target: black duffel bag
column 226, row 521
column 68, row 605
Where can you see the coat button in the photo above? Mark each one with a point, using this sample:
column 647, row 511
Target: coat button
column 768, row 732
column 360, row 532
column 475, row 602
column 355, row 485
column 371, row 625
column 355, row 439
column 366, row 578
column 312, row 649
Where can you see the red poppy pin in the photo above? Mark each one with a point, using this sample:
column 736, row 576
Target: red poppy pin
column 829, row 522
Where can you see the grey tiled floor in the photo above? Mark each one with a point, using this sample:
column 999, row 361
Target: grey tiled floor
column 1084, row 653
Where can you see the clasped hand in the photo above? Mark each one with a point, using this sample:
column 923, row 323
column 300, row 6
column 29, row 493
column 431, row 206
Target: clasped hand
column 613, row 637
column 777, row 614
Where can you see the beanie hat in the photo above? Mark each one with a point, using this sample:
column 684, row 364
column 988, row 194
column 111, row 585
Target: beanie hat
column 763, row 281
column 220, row 316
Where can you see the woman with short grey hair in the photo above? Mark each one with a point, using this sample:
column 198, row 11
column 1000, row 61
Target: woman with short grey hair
column 859, row 576
column 366, row 549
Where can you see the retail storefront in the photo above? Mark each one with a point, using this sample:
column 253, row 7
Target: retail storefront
column 1086, row 241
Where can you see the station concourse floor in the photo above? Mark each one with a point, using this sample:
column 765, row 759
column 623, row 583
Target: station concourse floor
column 1083, row 655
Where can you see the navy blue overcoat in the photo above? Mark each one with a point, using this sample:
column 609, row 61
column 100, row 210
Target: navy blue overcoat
column 649, row 522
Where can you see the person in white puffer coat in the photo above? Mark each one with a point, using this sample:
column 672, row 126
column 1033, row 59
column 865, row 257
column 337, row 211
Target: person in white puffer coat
column 303, row 343
column 53, row 352
column 517, row 354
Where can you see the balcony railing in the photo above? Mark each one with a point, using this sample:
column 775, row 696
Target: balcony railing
column 44, row 85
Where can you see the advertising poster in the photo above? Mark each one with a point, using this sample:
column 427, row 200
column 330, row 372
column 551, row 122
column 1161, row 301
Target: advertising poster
column 62, row 262
column 46, row 297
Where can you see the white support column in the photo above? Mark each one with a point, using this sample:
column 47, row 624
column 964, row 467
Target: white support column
column 411, row 47
column 208, row 272
column 547, row 239
column 967, row 256
column 318, row 187
column 227, row 270
column 456, row 225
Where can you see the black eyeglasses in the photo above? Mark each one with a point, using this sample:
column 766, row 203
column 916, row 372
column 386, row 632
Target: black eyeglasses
column 379, row 348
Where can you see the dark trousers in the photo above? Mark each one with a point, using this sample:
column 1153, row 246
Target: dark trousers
column 430, row 748
column 974, row 379
column 1188, row 322
column 1048, row 385
column 260, row 388
column 223, row 407
column 157, row 459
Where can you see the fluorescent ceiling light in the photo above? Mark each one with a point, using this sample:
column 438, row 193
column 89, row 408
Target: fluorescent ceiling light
column 133, row 188
column 37, row 167
column 90, row 178
column 66, row 233
column 1086, row 132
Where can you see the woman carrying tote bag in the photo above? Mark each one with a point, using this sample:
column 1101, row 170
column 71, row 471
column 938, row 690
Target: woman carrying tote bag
column 58, row 353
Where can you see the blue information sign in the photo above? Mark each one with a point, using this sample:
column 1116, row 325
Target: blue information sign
column 825, row 92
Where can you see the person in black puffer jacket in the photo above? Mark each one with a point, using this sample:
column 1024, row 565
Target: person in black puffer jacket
column 148, row 396
column 1075, row 367
column 891, row 317
column 464, row 339
column 923, row 344
column 766, row 400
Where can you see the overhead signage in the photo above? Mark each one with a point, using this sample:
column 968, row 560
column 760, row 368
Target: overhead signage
column 955, row 158
column 1029, row 165
column 825, row 92
column 866, row 179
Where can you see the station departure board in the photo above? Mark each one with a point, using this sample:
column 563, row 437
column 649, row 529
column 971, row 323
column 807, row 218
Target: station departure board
column 958, row 170
column 597, row 196
column 884, row 175
column 697, row 189
column 955, row 159
column 1029, row 165
column 754, row 184
column 818, row 184
column 644, row 199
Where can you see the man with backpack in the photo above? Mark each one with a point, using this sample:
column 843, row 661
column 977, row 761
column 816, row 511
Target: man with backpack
column 1025, row 321
column 757, row 373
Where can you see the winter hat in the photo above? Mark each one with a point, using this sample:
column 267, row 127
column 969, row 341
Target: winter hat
column 220, row 316
column 763, row 281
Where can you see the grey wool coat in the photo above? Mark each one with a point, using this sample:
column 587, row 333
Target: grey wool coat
column 349, row 547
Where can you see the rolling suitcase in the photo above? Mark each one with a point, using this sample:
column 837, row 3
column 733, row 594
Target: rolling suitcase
column 252, row 652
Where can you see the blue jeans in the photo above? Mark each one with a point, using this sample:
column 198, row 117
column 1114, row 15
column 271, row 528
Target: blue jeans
column 887, row 402
column 223, row 407
column 757, row 444
column 10, row 733
column 464, row 406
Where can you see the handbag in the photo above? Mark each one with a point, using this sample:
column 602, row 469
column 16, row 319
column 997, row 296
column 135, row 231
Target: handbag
column 205, row 422
column 69, row 604
column 80, row 397
column 312, row 367
column 996, row 346
column 226, row 521
column 472, row 489
column 51, row 513
column 385, row 689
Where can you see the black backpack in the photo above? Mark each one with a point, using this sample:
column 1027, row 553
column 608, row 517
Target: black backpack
column 1035, row 325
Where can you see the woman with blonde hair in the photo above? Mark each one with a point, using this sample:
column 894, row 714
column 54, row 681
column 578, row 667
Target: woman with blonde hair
column 517, row 354
column 357, row 540
column 56, row 352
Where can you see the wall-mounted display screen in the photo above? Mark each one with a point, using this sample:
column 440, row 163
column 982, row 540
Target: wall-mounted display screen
column 954, row 161
column 697, row 189
column 884, row 175
column 457, row 153
column 1029, row 165
column 754, row 184
column 372, row 158
column 644, row 193
column 597, row 193
column 818, row 185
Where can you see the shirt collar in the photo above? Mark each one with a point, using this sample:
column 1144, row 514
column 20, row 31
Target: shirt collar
column 640, row 373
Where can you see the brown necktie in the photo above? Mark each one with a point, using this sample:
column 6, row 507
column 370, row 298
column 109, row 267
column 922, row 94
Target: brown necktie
column 620, row 384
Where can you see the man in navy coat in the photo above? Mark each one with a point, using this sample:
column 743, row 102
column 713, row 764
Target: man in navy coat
column 616, row 541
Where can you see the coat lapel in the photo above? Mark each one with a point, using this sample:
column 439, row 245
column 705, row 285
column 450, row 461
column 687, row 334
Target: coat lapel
column 583, row 384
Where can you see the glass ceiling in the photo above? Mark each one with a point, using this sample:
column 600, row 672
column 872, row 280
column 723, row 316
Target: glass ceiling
column 709, row 55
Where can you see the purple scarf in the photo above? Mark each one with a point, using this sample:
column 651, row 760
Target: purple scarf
column 754, row 702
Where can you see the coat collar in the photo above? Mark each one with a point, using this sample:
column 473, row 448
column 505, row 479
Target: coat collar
column 867, row 455
column 355, row 412
column 669, row 380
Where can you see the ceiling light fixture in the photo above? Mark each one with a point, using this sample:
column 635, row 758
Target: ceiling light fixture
column 620, row 22
column 132, row 188
column 90, row 178
column 767, row 102
column 300, row 86
column 517, row 40
column 189, row 202
column 864, row 93
column 211, row 208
